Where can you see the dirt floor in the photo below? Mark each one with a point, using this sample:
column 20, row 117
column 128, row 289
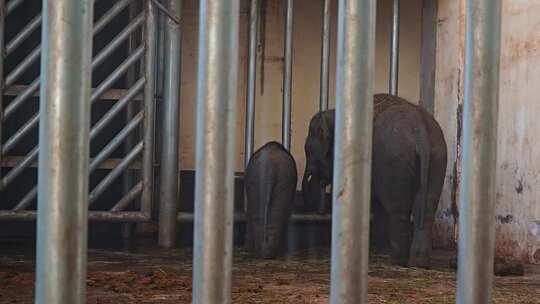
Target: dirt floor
column 158, row 276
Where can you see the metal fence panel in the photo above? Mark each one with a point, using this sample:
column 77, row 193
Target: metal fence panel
column 111, row 98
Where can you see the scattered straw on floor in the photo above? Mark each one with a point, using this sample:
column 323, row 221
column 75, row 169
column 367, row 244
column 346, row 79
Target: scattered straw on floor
column 303, row 278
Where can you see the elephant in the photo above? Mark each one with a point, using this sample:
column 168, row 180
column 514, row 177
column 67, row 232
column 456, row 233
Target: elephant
column 409, row 159
column 270, row 187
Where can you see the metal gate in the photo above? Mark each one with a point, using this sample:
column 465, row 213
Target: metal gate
column 123, row 110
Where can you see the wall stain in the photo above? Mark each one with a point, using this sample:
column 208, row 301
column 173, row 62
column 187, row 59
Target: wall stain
column 505, row 219
column 519, row 187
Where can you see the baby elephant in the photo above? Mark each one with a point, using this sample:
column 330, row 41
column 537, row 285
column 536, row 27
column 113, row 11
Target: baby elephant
column 270, row 183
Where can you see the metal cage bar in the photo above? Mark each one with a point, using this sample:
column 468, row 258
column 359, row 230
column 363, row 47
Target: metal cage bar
column 215, row 151
column 2, row 55
column 115, row 173
column 145, row 82
column 64, row 132
column 169, row 176
column 249, row 141
column 325, row 56
column 476, row 248
column 287, row 76
column 24, row 34
column 352, row 160
column 149, row 111
column 394, row 50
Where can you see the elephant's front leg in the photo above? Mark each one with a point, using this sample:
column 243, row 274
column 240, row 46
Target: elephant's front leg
column 400, row 237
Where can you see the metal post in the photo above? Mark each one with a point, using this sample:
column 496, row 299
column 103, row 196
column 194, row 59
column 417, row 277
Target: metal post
column 131, row 109
column 149, row 110
column 250, row 102
column 169, row 153
column 287, row 77
column 352, row 162
column 2, row 28
column 325, row 76
column 477, row 206
column 64, row 146
column 325, row 56
column 394, row 50
column 216, row 145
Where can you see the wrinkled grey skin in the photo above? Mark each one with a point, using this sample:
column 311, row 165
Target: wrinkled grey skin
column 408, row 171
column 270, row 189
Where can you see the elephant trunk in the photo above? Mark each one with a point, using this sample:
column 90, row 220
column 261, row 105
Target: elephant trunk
column 311, row 189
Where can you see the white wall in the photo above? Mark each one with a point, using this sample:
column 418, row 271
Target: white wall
column 518, row 165
column 306, row 61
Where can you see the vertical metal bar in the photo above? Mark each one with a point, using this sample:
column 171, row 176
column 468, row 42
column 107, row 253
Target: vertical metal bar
column 481, row 98
column 171, row 110
column 250, row 101
column 394, row 50
column 287, row 77
column 325, row 75
column 149, row 110
column 325, row 56
column 249, row 137
column 2, row 53
column 64, row 140
column 128, row 179
column 352, row 162
column 215, row 150
column 158, row 71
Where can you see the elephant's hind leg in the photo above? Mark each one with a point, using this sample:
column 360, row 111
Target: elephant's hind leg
column 421, row 247
column 400, row 237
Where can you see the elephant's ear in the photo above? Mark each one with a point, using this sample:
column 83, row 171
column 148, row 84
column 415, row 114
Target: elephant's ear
column 327, row 126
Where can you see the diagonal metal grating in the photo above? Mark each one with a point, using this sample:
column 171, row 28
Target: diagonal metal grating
column 123, row 109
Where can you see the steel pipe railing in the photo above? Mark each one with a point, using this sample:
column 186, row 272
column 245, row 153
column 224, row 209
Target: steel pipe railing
column 476, row 247
column 21, row 98
column 164, row 10
column 104, row 86
column 170, row 139
column 325, row 76
column 117, row 73
column 215, row 151
column 115, row 142
column 149, row 110
column 100, row 125
column 128, row 198
column 117, row 108
column 16, row 138
column 15, row 171
column 34, row 86
column 287, row 77
column 115, row 173
column 249, row 141
column 325, row 56
column 394, row 50
column 26, row 200
column 119, row 39
column 64, row 140
column 352, row 159
column 23, row 35
column 23, row 66
column 3, row 14
column 12, row 5
column 110, row 15
column 148, row 117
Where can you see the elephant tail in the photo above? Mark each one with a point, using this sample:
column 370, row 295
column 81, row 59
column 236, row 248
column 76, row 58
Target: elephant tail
column 267, row 204
column 420, row 202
